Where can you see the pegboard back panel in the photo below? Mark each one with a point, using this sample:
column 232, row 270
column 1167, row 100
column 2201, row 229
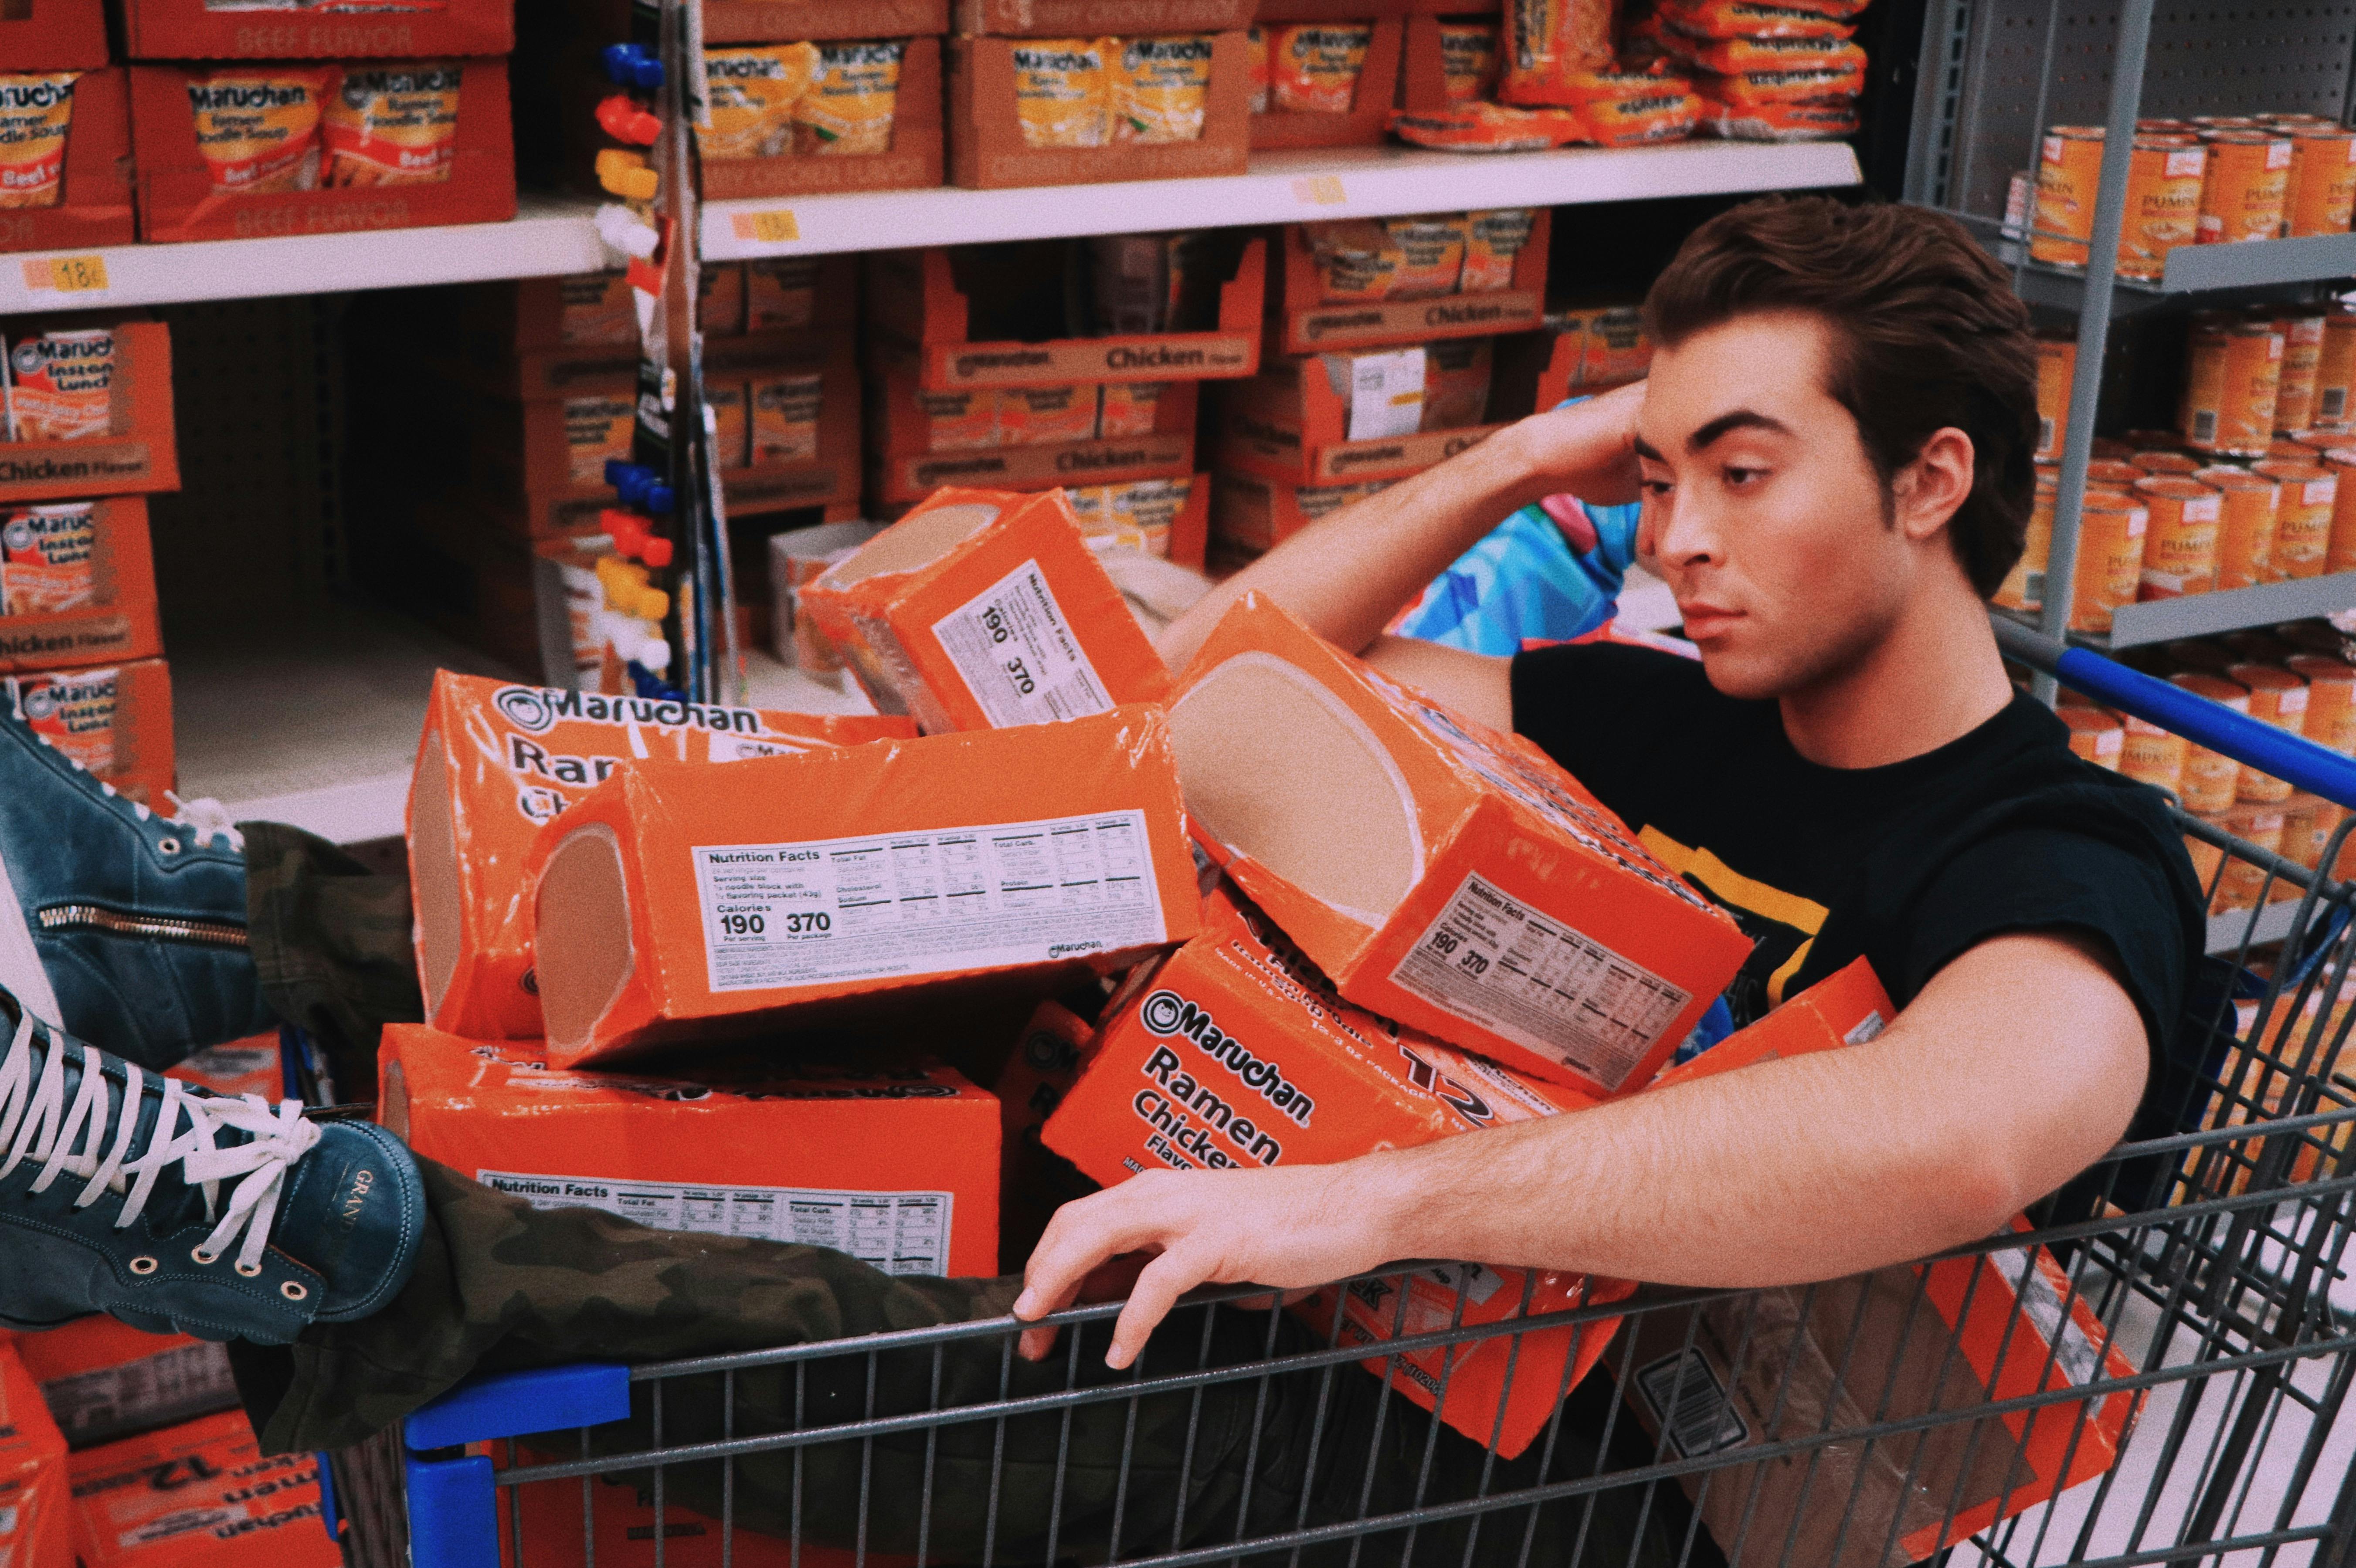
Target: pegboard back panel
column 2209, row 58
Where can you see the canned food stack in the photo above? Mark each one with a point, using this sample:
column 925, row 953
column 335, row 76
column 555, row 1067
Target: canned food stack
column 2211, row 179
column 1769, row 70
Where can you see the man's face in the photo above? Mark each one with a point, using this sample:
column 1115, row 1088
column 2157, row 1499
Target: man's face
column 1761, row 508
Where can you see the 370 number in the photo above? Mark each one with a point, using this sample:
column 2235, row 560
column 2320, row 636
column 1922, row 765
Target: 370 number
column 1020, row 676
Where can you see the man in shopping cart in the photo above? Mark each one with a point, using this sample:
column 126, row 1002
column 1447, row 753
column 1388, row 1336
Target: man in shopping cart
column 1834, row 455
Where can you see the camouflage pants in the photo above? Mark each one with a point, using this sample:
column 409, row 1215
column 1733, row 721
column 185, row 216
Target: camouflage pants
column 502, row 1287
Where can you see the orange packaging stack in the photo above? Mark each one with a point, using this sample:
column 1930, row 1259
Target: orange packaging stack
column 104, row 1379
column 982, row 609
column 498, row 759
column 198, row 1495
column 679, row 902
column 1482, row 894
column 34, row 1528
column 897, row 1166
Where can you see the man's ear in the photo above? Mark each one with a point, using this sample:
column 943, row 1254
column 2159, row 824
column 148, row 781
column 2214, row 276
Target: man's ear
column 1930, row 489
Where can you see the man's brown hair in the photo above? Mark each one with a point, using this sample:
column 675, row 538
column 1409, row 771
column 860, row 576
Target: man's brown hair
column 1926, row 330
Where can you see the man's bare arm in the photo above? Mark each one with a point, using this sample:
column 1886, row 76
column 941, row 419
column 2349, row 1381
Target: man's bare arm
column 2016, row 1067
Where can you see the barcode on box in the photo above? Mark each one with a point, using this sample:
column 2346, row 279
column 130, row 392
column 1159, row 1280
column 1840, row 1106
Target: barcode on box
column 2335, row 398
column 2204, row 427
column 1691, row 1408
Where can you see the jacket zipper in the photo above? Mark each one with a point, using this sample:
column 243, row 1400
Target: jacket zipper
column 115, row 922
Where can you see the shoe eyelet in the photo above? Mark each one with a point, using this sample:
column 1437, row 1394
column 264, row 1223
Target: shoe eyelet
column 249, row 1270
column 294, row 1290
column 167, row 846
column 204, row 1259
column 144, row 1265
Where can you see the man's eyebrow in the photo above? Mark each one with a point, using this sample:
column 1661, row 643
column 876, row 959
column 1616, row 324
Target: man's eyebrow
column 1645, row 450
column 1740, row 419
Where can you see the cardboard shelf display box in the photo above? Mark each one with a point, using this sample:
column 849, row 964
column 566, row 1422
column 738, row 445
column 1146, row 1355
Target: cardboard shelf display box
column 178, row 200
column 1292, row 422
column 1366, row 123
column 235, row 1508
column 1359, row 10
column 1302, row 321
column 794, row 21
column 90, row 556
column 1482, row 894
column 986, row 150
column 103, row 1381
column 590, row 310
column 916, row 162
column 135, row 456
column 114, row 719
column 195, row 29
column 918, row 316
column 36, row 1529
column 1094, row 18
column 54, row 35
column 905, row 463
column 896, row 1164
column 1423, row 78
column 93, row 207
column 681, row 902
column 1251, row 514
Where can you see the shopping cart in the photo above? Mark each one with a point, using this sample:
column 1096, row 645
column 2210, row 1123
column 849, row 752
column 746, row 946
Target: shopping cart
column 2153, row 1373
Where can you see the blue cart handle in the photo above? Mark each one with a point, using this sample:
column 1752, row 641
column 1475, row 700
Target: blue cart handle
column 2292, row 758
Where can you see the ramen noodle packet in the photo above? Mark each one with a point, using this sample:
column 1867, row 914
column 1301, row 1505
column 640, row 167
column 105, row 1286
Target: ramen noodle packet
column 1487, row 128
column 1707, row 19
column 258, row 127
column 46, row 558
column 1809, row 82
column 74, row 711
column 34, row 113
column 60, row 385
column 1313, row 68
column 1492, row 243
column 1139, row 282
column 1628, row 109
column 1431, row 254
column 1735, row 56
column 1161, row 88
column 853, row 95
column 1134, row 515
column 1046, row 416
column 1456, row 374
column 753, row 91
column 393, row 124
column 784, row 418
column 1129, row 408
column 1807, row 120
column 960, row 421
column 1468, row 61
column 1063, row 91
column 1358, row 257
column 1256, row 54
column 1544, row 42
column 726, row 401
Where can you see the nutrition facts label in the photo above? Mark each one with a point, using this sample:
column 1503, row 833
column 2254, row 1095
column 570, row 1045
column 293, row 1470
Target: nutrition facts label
column 899, row 1233
column 1494, row 961
column 909, row 903
column 1017, row 656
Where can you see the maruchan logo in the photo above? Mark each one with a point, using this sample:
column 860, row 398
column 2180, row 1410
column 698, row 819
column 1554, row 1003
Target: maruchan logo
column 533, row 709
column 1014, row 359
column 525, row 707
column 1056, row 59
column 248, row 95
column 745, row 67
column 1166, row 1013
column 41, row 704
column 1142, row 51
column 35, row 95
column 363, row 85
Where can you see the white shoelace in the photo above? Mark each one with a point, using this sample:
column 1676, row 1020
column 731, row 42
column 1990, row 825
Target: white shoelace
column 35, row 1124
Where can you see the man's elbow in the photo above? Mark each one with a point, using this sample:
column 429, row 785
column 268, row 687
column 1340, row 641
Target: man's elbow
column 1975, row 1193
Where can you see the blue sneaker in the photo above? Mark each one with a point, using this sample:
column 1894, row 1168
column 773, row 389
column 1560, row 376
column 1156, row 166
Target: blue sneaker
column 127, row 928
column 174, row 1209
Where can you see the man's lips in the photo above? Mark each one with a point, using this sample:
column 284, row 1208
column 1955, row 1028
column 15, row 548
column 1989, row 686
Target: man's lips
column 1706, row 620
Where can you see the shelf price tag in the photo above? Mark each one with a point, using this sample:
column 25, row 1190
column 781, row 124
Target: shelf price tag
column 67, row 274
column 775, row 227
column 1319, row 190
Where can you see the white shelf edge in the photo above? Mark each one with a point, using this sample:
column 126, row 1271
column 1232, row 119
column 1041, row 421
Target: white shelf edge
column 548, row 237
column 2228, row 610
column 1283, row 187
column 2230, row 930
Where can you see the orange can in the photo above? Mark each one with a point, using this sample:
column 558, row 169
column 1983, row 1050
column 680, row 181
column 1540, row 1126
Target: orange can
column 2224, row 121
column 2069, row 171
column 2211, row 779
column 2169, row 461
column 2247, row 183
column 2024, row 586
column 2302, row 367
column 2180, row 548
column 2057, row 361
column 2094, row 735
column 2164, row 184
column 2330, row 700
column 2302, row 516
column 2111, row 473
column 2340, row 555
column 2149, row 755
column 2246, row 525
column 2335, row 371
column 2111, row 527
column 2277, row 697
column 2160, row 127
column 2232, row 377
column 2322, row 195
column 2242, row 882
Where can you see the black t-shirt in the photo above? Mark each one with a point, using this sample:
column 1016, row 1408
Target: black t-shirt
column 2002, row 829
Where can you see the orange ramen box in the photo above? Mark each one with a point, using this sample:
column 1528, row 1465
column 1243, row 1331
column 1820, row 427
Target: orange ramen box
column 982, row 609
column 35, row 1531
column 115, row 721
column 622, row 1534
column 897, row 1166
column 198, row 1495
column 77, row 583
column 496, row 762
column 103, row 1380
column 675, row 903
column 1444, row 874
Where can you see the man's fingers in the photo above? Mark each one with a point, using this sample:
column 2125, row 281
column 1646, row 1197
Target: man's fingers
column 1165, row 1279
column 1083, row 1236
column 1035, row 1343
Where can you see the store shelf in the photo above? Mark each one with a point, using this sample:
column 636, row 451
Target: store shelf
column 1283, row 187
column 2205, row 615
column 2229, row 930
column 2229, row 271
column 547, row 237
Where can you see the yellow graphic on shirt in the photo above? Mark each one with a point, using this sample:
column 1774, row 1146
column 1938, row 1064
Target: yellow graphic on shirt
column 1783, row 925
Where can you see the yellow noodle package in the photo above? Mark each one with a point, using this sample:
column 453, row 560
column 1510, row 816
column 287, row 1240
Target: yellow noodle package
column 1129, row 408
column 35, row 112
column 726, row 401
column 595, row 429
column 1468, row 61
column 1314, row 69
column 1135, row 516
column 1546, row 42
column 1431, row 254
column 258, row 128
column 1492, row 243
column 784, row 418
column 393, row 124
column 60, row 385
column 1063, row 91
column 753, row 89
column 852, row 100
column 1162, row 89
column 1046, row 416
column 1358, row 256
column 960, row 421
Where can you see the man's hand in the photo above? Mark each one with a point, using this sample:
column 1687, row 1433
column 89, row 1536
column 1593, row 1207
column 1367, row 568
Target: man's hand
column 1588, row 450
column 1287, row 1227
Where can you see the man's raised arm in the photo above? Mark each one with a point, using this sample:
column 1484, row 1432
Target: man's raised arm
column 2016, row 1067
